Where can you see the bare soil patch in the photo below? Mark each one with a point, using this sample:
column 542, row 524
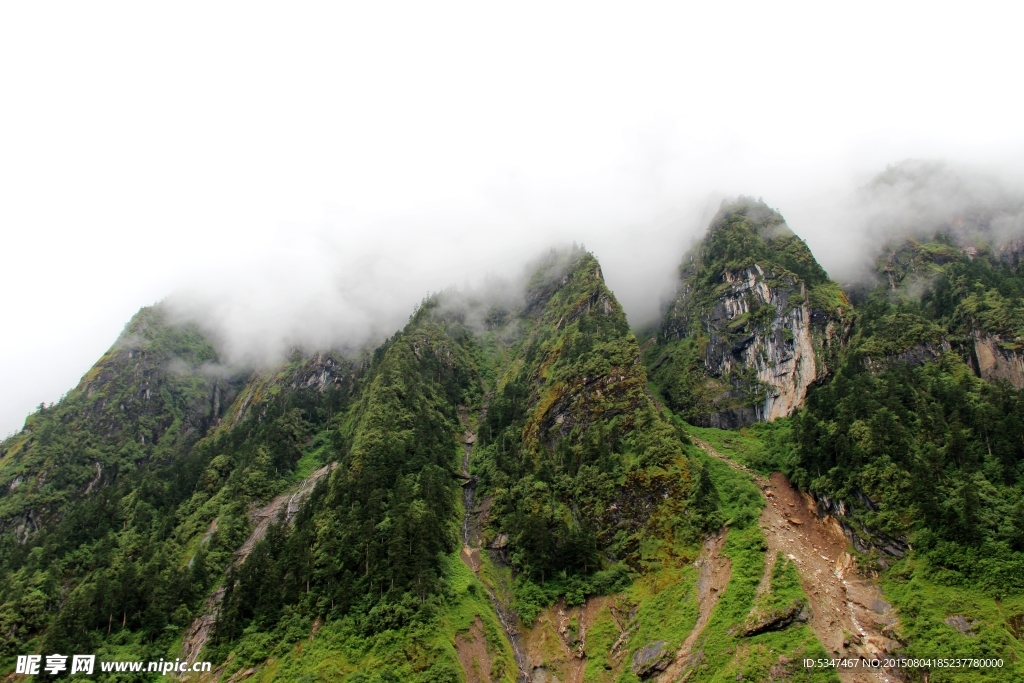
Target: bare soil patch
column 472, row 652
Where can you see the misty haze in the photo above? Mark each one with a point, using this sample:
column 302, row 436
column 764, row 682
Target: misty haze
column 545, row 343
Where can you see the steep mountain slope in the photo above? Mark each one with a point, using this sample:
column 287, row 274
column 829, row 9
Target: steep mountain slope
column 925, row 406
column 755, row 321
column 970, row 290
column 579, row 470
column 152, row 395
column 138, row 483
column 846, row 609
column 585, row 488
column 116, row 452
column 372, row 538
column 305, row 520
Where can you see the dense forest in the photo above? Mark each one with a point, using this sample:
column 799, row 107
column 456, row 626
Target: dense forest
column 579, row 460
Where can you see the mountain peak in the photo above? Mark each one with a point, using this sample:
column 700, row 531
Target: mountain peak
column 753, row 322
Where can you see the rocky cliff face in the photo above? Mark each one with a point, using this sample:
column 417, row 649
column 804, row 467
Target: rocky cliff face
column 998, row 360
column 779, row 356
column 755, row 321
column 956, row 296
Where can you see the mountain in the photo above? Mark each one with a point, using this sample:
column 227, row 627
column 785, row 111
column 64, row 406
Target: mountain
column 518, row 490
column 754, row 323
column 910, row 437
column 146, row 401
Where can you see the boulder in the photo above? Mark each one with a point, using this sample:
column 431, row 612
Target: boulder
column 651, row 658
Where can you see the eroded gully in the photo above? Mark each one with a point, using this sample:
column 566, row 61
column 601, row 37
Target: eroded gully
column 848, row 615
column 472, row 547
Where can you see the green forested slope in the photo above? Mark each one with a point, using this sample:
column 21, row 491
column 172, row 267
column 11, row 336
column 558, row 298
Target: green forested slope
column 923, row 442
column 139, row 481
column 908, row 432
column 372, row 541
column 603, row 502
column 589, row 483
column 583, row 470
column 152, row 395
column 89, row 483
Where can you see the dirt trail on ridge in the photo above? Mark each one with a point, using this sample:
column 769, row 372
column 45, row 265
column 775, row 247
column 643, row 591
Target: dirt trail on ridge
column 848, row 614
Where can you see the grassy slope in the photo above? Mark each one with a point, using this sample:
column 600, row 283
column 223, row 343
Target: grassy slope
column 921, row 594
column 424, row 652
column 666, row 606
column 765, row 447
column 727, row 655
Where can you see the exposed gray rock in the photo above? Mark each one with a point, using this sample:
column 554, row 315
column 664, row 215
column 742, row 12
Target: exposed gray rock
column 998, row 360
column 284, row 506
column 758, row 317
column 961, row 624
column 919, row 354
column 777, row 359
column 776, row 619
column 864, row 538
column 540, row 674
column 651, row 658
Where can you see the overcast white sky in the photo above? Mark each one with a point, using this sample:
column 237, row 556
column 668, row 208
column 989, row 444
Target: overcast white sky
column 310, row 172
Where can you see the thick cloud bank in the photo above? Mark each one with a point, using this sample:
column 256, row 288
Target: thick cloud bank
column 351, row 281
